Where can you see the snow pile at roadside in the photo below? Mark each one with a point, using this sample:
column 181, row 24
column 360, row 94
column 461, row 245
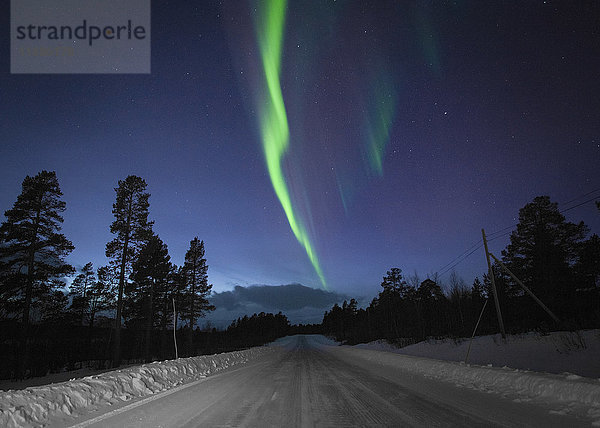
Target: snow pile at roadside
column 33, row 406
column 565, row 387
column 570, row 391
column 558, row 352
column 379, row 345
column 566, row 391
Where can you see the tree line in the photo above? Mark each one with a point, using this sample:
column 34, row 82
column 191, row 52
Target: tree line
column 554, row 258
column 45, row 329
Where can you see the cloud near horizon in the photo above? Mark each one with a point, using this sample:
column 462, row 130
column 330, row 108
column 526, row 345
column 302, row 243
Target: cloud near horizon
column 299, row 303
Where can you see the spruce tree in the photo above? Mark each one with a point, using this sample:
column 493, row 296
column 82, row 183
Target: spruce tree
column 132, row 229
column 197, row 289
column 32, row 249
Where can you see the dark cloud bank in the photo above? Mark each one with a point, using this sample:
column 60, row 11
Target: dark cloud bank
column 299, row 303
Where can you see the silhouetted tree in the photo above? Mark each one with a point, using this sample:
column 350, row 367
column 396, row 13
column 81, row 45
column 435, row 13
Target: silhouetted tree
column 32, row 249
column 257, row 329
column 395, row 288
column 459, row 297
column 587, row 267
column 79, row 290
column 542, row 250
column 145, row 296
column 197, row 289
column 431, row 302
column 394, row 282
column 132, row 229
column 165, row 296
column 54, row 306
column 102, row 293
column 477, row 290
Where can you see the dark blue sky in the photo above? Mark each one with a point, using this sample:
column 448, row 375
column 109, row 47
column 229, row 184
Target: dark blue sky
column 494, row 103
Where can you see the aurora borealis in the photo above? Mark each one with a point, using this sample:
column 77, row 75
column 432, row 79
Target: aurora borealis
column 273, row 120
column 323, row 142
column 378, row 118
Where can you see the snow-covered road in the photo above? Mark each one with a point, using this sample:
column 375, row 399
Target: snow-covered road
column 304, row 382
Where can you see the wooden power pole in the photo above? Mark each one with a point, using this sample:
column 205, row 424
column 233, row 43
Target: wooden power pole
column 493, row 282
column 524, row 287
column 174, row 328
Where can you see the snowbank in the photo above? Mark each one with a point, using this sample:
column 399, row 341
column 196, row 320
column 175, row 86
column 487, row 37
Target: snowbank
column 566, row 387
column 33, row 406
column 558, row 352
column 567, row 390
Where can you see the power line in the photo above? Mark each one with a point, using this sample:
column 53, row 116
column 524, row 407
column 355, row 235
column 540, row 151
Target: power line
column 460, row 255
column 501, row 230
column 580, row 204
column 581, row 196
column 499, row 234
column 460, row 261
column 561, row 211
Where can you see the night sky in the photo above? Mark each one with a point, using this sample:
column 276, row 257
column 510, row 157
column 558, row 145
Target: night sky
column 412, row 125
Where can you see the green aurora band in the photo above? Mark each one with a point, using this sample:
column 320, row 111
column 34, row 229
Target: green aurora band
column 379, row 122
column 273, row 119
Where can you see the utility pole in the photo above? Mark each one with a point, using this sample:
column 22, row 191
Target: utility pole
column 174, row 327
column 475, row 330
column 524, row 287
column 493, row 282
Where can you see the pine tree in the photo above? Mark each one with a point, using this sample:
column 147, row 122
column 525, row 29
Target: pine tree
column 478, row 292
column 132, row 229
column 54, row 306
column 430, row 303
column 102, row 294
column 459, row 296
column 543, row 249
column 166, row 296
column 197, row 289
column 146, row 294
column 393, row 281
column 395, row 288
column 32, row 249
column 79, row 291
column 587, row 267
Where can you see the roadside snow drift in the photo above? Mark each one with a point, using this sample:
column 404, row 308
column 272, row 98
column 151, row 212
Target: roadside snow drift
column 34, row 406
column 561, row 352
column 526, row 384
column 564, row 393
column 557, row 352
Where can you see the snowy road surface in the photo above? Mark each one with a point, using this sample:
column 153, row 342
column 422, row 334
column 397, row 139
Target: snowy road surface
column 305, row 383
